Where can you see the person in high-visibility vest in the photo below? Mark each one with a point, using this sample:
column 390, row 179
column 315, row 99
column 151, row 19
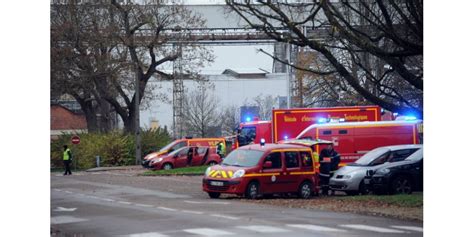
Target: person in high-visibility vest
column 328, row 159
column 221, row 149
column 67, row 157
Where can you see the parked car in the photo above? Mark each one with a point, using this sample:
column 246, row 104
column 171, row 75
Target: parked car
column 179, row 143
column 398, row 178
column 186, row 156
column 350, row 178
column 263, row 169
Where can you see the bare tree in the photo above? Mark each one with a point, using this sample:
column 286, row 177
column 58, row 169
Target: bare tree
column 229, row 120
column 375, row 46
column 202, row 114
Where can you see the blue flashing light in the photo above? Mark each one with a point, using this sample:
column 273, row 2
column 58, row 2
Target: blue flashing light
column 262, row 142
column 285, row 137
column 322, row 120
column 410, row 117
column 248, row 119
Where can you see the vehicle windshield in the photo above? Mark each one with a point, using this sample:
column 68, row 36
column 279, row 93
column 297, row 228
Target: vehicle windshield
column 370, row 156
column 247, row 135
column 178, row 151
column 415, row 157
column 167, row 147
column 243, row 158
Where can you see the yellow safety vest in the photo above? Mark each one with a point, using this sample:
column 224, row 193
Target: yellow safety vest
column 66, row 154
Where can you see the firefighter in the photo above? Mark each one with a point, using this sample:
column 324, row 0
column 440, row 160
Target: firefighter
column 67, row 158
column 328, row 161
column 221, row 149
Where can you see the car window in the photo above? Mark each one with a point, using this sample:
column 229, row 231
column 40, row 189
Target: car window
column 380, row 160
column 306, row 159
column 184, row 151
column 275, row 158
column 371, row 156
column 291, row 159
column 201, row 150
column 400, row 155
column 243, row 158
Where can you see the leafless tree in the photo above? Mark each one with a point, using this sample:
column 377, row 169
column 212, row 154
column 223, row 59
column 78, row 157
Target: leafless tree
column 202, row 114
column 229, row 120
column 375, row 46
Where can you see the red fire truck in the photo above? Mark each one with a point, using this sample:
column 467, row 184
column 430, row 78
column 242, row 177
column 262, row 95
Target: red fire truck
column 352, row 140
column 288, row 123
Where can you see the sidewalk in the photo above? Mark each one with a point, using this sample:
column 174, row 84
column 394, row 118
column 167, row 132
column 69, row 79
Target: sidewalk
column 131, row 167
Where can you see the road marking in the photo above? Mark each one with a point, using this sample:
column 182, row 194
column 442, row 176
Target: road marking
column 412, row 228
column 126, row 203
column 166, row 209
column 65, row 219
column 194, row 202
column 263, row 229
column 142, row 205
column 65, row 209
column 107, row 199
column 68, row 192
column 316, row 228
column 192, row 212
column 372, row 228
column 149, row 234
column 59, row 190
column 224, row 216
column 207, row 232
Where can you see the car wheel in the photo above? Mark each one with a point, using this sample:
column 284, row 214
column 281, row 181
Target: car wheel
column 305, row 190
column 362, row 188
column 252, row 190
column 401, row 185
column 212, row 163
column 167, row 166
column 214, row 195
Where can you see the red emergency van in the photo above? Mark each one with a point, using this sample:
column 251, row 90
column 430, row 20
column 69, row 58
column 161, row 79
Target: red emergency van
column 176, row 144
column 352, row 140
column 261, row 169
column 288, row 123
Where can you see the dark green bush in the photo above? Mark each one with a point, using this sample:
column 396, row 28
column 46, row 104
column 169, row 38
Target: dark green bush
column 115, row 148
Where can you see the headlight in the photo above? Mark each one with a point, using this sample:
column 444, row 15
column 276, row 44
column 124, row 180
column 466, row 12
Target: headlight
column 208, row 170
column 156, row 161
column 347, row 176
column 238, row 174
column 150, row 156
column 383, row 171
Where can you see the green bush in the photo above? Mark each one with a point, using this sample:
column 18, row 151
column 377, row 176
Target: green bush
column 115, row 148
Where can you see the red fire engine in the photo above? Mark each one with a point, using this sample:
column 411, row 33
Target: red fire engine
column 288, row 123
column 352, row 140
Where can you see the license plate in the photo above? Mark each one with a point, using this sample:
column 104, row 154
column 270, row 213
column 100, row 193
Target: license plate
column 217, row 183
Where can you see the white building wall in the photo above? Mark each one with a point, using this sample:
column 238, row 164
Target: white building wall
column 228, row 90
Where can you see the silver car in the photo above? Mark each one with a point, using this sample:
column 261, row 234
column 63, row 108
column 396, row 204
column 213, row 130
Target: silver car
column 350, row 178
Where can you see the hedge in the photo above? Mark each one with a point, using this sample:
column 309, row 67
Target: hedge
column 115, row 148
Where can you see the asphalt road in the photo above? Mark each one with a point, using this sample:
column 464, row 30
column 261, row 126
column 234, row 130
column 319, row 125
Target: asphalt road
column 119, row 203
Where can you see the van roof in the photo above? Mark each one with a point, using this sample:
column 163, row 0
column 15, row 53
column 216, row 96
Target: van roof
column 272, row 146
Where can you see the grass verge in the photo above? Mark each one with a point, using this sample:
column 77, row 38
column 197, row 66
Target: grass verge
column 194, row 170
column 412, row 200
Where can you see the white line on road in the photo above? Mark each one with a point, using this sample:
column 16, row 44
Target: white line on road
column 316, row 228
column 207, row 232
column 150, row 234
column 166, row 209
column 65, row 209
column 263, row 229
column 224, row 216
column 372, row 228
column 142, row 205
column 412, row 228
column 194, row 202
column 57, row 189
column 68, row 192
column 107, row 199
column 126, row 203
column 192, row 212
column 65, row 219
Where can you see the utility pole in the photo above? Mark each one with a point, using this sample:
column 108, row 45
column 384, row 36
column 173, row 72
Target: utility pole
column 138, row 147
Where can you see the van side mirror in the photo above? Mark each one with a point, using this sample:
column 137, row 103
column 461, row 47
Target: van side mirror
column 267, row 165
